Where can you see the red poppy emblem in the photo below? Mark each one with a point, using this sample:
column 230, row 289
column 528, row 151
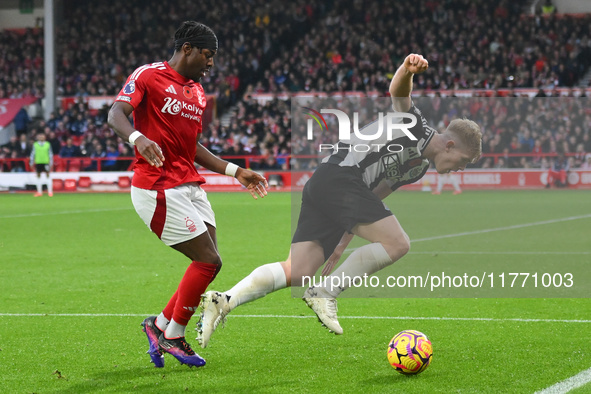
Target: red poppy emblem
column 187, row 92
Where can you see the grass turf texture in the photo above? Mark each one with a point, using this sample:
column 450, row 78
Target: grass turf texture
column 91, row 254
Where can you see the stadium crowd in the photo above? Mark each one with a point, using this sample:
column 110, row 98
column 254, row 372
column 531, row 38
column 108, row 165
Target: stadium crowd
column 304, row 46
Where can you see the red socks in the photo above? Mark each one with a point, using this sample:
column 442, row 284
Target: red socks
column 169, row 309
column 185, row 300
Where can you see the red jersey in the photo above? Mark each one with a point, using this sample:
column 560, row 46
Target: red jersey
column 167, row 110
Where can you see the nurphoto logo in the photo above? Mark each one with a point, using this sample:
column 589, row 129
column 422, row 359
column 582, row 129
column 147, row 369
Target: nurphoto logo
column 386, row 123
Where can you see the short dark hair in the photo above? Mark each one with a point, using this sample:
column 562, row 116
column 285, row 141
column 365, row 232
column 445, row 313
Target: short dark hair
column 193, row 33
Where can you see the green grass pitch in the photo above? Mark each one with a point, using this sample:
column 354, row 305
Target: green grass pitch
column 78, row 273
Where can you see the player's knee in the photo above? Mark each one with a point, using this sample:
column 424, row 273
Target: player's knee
column 213, row 258
column 208, row 257
column 406, row 243
column 286, row 265
column 398, row 247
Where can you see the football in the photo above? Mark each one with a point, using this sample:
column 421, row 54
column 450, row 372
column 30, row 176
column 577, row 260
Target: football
column 410, row 352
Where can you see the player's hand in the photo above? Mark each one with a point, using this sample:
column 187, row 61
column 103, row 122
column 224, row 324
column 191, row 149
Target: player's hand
column 332, row 261
column 150, row 151
column 416, row 64
column 254, row 182
column 334, row 258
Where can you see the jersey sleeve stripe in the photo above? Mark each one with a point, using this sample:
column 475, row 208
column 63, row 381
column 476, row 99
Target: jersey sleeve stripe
column 133, row 75
column 136, row 73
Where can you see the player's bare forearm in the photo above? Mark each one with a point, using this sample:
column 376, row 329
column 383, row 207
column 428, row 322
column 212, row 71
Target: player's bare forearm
column 334, row 258
column 400, row 89
column 118, row 119
column 382, row 190
column 345, row 240
column 254, row 182
column 401, row 85
column 210, row 161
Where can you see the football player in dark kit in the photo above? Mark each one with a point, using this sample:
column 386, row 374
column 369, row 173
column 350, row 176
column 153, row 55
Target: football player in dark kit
column 343, row 198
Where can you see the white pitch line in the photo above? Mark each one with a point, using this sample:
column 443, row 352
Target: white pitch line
column 487, row 319
column 569, row 384
column 515, row 253
column 514, row 227
column 428, row 318
column 33, row 214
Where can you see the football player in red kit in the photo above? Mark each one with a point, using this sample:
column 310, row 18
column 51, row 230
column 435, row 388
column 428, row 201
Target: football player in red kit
column 167, row 102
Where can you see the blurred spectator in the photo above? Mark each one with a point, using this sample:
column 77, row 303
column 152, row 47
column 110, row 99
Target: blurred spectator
column 21, row 121
column 55, row 143
column 70, row 150
column 11, row 145
column 97, row 153
column 557, row 174
column 112, row 154
column 24, row 146
column 270, row 163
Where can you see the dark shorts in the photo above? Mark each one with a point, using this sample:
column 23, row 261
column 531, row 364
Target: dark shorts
column 335, row 200
column 39, row 168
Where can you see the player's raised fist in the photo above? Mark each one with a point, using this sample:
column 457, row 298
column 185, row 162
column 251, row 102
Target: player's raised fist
column 416, row 64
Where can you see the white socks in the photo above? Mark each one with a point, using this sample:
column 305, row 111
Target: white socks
column 162, row 322
column 174, row 330
column 47, row 181
column 49, row 185
column 262, row 281
column 366, row 260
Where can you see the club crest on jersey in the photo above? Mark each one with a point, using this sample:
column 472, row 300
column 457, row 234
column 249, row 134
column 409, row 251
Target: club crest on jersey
column 415, row 172
column 129, row 88
column 391, row 165
column 188, row 92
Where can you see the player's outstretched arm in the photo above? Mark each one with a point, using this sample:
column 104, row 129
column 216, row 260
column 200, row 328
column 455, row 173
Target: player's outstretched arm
column 401, row 85
column 119, row 121
column 254, row 182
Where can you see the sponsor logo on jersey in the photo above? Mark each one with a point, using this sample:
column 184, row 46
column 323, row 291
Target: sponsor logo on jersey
column 170, row 89
column 188, row 92
column 129, row 88
column 124, row 98
column 171, row 106
column 174, row 106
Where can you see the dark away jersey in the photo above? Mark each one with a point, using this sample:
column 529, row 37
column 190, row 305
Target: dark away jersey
column 397, row 160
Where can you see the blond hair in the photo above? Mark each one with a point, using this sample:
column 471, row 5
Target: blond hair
column 468, row 134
